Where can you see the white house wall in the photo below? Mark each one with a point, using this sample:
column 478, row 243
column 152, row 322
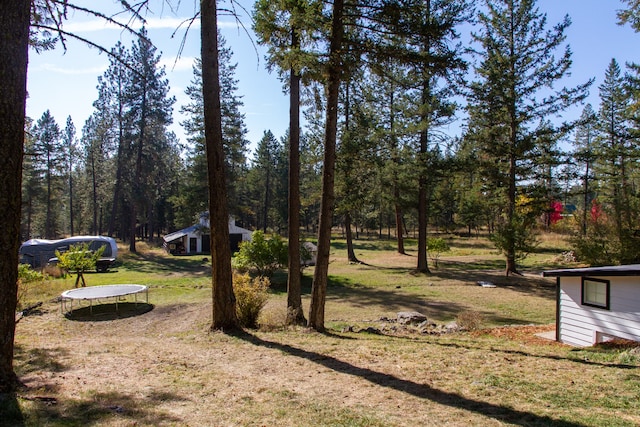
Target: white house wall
column 585, row 325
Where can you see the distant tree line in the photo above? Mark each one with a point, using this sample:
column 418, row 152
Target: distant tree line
column 379, row 81
column 397, row 168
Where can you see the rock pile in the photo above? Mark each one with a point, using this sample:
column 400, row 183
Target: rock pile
column 407, row 322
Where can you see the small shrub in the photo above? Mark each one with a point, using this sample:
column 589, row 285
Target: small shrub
column 272, row 319
column 54, row 271
column 436, row 246
column 251, row 297
column 26, row 276
column 78, row 259
column 470, row 320
column 262, row 255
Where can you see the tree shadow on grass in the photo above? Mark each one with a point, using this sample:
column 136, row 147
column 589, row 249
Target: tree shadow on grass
column 473, row 273
column 107, row 312
column 345, row 290
column 10, row 412
column 580, row 361
column 95, row 410
column 422, row 391
column 396, row 299
column 149, row 262
column 41, row 404
column 40, row 360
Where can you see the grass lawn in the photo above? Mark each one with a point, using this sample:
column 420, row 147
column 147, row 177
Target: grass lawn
column 162, row 366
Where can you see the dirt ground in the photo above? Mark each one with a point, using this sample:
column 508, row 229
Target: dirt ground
column 164, row 367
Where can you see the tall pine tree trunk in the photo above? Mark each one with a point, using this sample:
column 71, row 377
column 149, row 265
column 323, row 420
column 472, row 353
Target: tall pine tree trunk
column 14, row 40
column 320, row 277
column 423, row 208
column 396, row 184
column 136, row 191
column 295, row 314
column 351, row 254
column 120, row 165
column 510, row 249
column 423, row 194
column 94, row 195
column 224, row 300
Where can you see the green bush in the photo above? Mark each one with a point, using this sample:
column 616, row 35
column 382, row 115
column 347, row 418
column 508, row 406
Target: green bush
column 251, row 297
column 261, row 255
column 78, row 259
column 27, row 275
column 436, row 246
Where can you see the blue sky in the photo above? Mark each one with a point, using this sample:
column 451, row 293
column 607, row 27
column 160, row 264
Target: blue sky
column 65, row 82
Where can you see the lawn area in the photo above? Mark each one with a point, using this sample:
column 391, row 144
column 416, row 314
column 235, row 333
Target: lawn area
column 162, row 365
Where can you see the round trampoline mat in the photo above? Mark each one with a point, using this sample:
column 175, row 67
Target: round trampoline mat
column 106, row 291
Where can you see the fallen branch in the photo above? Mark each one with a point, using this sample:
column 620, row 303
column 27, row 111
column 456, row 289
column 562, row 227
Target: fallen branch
column 27, row 311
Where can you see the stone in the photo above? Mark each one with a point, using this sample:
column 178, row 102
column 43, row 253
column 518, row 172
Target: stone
column 411, row 318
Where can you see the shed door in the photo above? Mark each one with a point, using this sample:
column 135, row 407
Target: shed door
column 206, row 243
column 235, row 240
column 193, row 244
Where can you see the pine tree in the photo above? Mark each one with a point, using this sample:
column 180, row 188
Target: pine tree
column 287, row 27
column 148, row 114
column 97, row 167
column 334, row 72
column 263, row 176
column 49, row 160
column 14, row 45
column 33, row 192
column 224, row 302
column 616, row 158
column 69, row 141
column 506, row 102
column 194, row 191
column 111, row 104
column 630, row 15
column 585, row 156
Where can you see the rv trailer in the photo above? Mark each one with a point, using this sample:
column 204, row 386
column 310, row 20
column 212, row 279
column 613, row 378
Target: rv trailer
column 40, row 252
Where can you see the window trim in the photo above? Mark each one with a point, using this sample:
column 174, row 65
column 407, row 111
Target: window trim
column 607, row 284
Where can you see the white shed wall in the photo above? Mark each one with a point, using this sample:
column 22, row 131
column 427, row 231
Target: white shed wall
column 584, row 325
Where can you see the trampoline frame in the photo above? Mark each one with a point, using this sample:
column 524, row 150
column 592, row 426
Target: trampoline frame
column 97, row 293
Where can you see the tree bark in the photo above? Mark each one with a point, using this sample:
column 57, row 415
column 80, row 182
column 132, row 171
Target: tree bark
column 351, row 254
column 14, row 42
column 320, row 277
column 120, row 163
column 224, row 300
column 295, row 314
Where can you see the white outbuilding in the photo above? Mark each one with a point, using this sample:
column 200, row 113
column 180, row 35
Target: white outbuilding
column 196, row 238
column 597, row 304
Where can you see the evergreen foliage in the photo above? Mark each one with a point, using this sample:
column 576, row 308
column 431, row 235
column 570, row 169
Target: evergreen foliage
column 509, row 101
column 192, row 197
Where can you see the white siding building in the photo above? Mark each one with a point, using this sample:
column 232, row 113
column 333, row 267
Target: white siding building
column 195, row 239
column 597, row 304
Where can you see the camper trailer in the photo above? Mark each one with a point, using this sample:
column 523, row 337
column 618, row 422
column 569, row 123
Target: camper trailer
column 39, row 252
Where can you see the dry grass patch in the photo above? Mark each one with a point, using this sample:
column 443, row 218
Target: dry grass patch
column 164, row 367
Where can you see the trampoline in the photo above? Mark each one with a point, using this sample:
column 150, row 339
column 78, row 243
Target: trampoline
column 97, row 293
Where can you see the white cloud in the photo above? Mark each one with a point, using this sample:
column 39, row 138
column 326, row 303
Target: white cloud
column 72, row 71
column 164, row 23
column 181, row 64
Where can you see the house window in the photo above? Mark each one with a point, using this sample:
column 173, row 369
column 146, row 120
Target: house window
column 595, row 292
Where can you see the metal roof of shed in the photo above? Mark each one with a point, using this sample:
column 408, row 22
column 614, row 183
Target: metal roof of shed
column 612, row 270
